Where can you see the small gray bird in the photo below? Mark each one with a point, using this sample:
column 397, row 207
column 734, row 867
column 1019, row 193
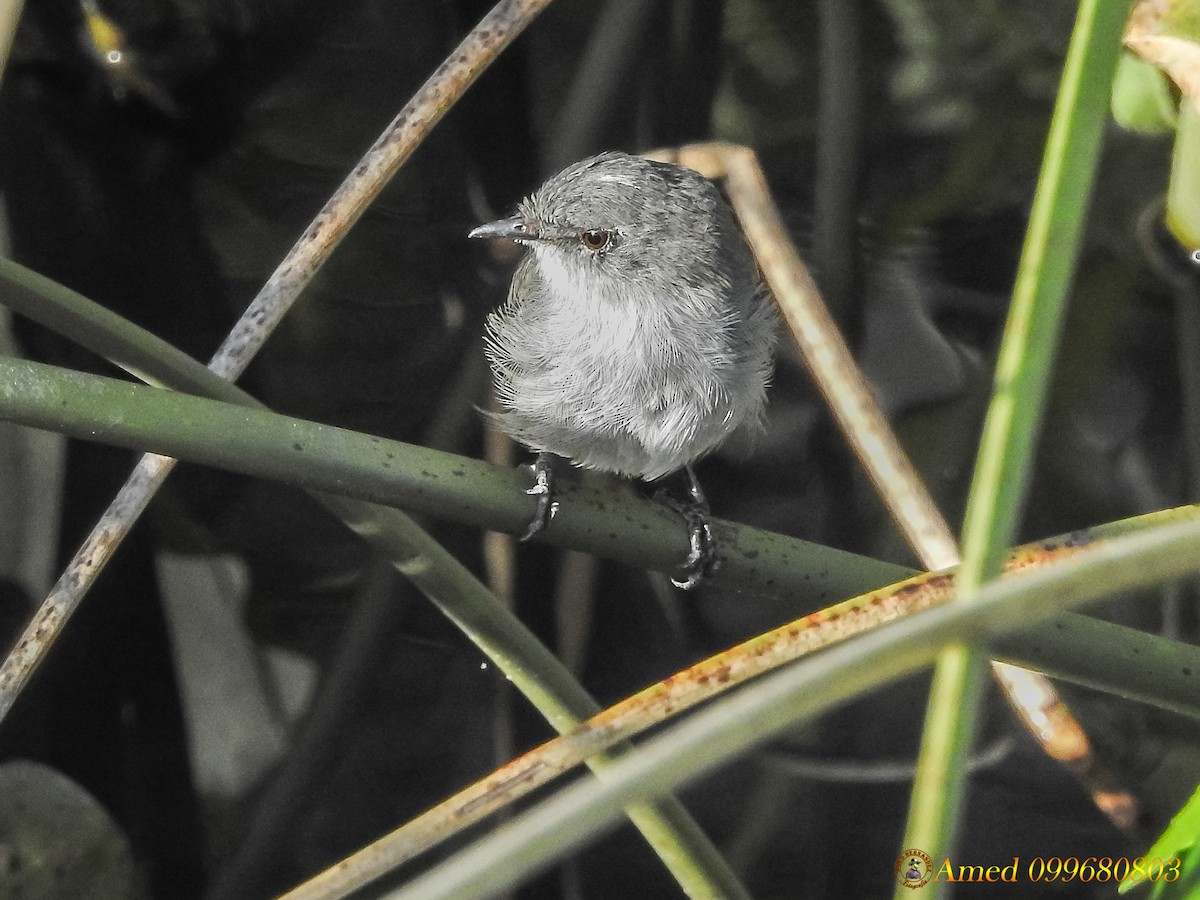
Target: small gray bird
column 636, row 336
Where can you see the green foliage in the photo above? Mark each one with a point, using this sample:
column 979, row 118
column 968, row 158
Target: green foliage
column 1004, row 465
column 1177, row 842
column 1141, row 97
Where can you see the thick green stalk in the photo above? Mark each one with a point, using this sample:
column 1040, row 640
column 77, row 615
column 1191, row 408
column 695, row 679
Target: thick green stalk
column 337, row 461
column 334, row 459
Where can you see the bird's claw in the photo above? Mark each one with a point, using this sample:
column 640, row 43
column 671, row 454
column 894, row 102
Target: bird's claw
column 543, row 489
column 547, row 506
column 702, row 560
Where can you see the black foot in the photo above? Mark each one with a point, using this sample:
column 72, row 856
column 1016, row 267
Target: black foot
column 543, row 489
column 702, row 556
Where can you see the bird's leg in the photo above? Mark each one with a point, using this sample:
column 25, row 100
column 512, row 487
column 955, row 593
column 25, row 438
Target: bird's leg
column 543, row 489
column 702, row 554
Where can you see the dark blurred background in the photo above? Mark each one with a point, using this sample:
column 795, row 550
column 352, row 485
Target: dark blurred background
column 248, row 696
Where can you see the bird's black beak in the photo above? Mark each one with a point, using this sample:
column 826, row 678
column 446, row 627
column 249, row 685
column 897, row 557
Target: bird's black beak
column 516, row 228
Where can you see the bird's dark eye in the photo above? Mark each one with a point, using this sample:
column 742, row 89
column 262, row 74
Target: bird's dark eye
column 596, row 241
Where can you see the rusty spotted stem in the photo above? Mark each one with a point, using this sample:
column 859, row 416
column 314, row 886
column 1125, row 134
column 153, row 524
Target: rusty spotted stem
column 760, row 654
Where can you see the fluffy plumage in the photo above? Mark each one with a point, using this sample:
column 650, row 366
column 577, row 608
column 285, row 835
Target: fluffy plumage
column 641, row 355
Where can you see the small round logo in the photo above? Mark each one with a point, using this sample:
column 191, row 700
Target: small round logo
column 914, row 868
